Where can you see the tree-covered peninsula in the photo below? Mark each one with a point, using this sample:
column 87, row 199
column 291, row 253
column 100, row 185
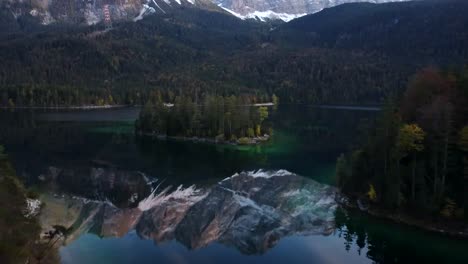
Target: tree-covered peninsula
column 414, row 162
column 219, row 119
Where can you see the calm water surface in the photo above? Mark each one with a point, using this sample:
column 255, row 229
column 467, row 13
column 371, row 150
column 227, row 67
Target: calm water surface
column 97, row 178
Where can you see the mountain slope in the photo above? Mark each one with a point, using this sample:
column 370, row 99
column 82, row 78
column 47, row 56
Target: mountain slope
column 353, row 53
column 431, row 29
column 282, row 9
column 91, row 12
column 132, row 57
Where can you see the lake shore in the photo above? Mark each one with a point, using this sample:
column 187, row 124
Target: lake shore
column 238, row 142
column 446, row 227
column 76, row 107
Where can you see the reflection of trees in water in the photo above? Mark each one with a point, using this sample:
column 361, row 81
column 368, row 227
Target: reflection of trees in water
column 351, row 232
column 323, row 130
column 386, row 242
column 22, row 127
column 187, row 162
column 34, row 145
column 382, row 247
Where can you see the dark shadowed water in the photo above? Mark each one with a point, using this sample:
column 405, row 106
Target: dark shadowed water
column 96, row 179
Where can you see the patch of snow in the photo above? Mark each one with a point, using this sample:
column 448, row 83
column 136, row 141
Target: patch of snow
column 47, row 19
column 262, row 174
column 34, row 12
column 265, row 15
column 133, row 198
column 87, row 201
column 271, row 15
column 91, row 17
column 32, row 207
column 145, row 10
column 268, row 174
column 189, row 194
column 156, row 4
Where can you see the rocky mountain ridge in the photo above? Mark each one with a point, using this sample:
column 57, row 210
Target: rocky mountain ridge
column 91, row 12
column 283, row 9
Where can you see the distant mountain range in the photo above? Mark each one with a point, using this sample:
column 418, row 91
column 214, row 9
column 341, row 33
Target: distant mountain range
column 351, row 53
column 93, row 11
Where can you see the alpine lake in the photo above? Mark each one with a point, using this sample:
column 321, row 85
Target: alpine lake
column 129, row 199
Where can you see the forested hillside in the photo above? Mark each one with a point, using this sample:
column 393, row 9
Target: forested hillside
column 415, row 158
column 424, row 32
column 354, row 53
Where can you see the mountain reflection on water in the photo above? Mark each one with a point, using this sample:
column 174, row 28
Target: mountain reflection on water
column 96, row 179
column 249, row 211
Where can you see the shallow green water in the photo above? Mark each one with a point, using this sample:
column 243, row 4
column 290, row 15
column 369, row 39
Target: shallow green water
column 307, row 141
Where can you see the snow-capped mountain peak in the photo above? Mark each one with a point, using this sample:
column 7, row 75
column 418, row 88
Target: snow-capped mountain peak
column 264, row 15
column 285, row 10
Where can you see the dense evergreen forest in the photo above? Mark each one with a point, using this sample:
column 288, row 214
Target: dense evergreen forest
column 231, row 118
column 354, row 53
column 416, row 157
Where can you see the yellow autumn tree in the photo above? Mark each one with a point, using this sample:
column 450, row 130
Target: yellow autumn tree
column 463, row 139
column 410, row 142
column 410, row 139
column 372, row 194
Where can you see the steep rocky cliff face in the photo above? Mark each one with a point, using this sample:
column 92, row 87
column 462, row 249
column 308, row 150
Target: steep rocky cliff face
column 90, row 12
column 282, row 9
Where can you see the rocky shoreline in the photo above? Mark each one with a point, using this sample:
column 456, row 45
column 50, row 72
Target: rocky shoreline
column 450, row 228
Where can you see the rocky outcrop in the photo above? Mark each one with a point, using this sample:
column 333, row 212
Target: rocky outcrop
column 90, row 12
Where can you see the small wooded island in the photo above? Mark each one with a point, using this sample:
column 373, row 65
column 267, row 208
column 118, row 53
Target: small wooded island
column 217, row 119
